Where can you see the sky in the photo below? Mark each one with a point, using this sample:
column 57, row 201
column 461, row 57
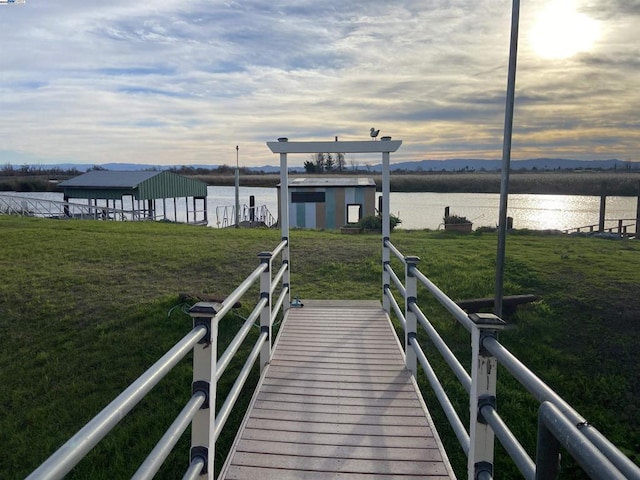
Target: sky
column 169, row 82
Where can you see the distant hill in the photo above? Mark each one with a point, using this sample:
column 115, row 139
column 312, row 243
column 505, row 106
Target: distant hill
column 451, row 165
column 459, row 164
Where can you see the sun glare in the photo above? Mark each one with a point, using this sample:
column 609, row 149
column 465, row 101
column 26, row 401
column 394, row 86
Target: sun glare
column 561, row 31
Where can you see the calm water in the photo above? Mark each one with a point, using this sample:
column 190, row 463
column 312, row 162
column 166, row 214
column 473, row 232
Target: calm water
column 420, row 210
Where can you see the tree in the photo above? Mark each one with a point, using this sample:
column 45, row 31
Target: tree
column 319, row 160
column 341, row 163
column 309, row 166
column 329, row 163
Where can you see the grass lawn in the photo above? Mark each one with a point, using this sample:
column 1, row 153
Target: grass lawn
column 86, row 307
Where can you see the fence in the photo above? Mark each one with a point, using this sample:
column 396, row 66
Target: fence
column 559, row 425
column 199, row 412
column 624, row 227
column 257, row 215
column 36, row 207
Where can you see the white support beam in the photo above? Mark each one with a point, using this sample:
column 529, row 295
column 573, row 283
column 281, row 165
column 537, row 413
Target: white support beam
column 370, row 146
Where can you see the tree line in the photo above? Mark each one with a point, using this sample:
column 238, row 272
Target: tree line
column 326, row 163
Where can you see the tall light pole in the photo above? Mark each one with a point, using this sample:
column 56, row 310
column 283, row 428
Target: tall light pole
column 237, row 188
column 506, row 157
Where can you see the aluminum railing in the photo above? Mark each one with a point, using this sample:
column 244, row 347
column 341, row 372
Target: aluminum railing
column 199, row 412
column 226, row 216
column 617, row 226
column 559, row 425
column 37, row 207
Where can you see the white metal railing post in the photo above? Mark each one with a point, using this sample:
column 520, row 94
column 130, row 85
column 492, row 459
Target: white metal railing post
column 484, row 369
column 411, row 289
column 265, row 314
column 204, row 379
column 386, row 230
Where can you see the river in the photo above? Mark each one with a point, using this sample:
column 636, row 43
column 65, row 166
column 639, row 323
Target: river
column 422, row 210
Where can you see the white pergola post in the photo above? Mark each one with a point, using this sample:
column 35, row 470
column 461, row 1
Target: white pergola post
column 386, row 229
column 284, row 223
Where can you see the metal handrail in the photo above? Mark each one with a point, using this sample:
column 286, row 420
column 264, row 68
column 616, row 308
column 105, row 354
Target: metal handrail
column 396, row 308
column 454, row 420
column 163, row 448
column 236, row 343
column 510, row 443
column 396, row 281
column 444, row 300
column 67, row 456
column 240, row 290
column 589, row 457
column 195, row 467
column 75, row 449
column 234, row 393
column 394, row 250
column 557, row 411
column 543, row 393
column 279, row 303
column 443, row 348
column 278, row 277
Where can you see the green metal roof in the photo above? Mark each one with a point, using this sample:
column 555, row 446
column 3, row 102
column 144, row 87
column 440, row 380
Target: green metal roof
column 104, row 184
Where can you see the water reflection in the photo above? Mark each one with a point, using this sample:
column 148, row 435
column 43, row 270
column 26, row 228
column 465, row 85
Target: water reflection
column 421, row 210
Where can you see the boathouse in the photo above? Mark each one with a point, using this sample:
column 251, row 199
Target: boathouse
column 140, row 195
column 329, row 202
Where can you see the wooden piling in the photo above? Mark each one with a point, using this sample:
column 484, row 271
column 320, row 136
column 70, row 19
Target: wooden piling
column 603, row 205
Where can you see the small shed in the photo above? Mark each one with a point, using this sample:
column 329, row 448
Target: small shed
column 329, row 202
column 134, row 195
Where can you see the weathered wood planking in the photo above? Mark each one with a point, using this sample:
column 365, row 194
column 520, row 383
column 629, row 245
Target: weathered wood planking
column 337, row 403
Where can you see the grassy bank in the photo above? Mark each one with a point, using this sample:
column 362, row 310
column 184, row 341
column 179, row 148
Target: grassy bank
column 86, row 307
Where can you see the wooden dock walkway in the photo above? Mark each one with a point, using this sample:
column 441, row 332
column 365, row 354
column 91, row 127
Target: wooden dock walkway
column 336, row 402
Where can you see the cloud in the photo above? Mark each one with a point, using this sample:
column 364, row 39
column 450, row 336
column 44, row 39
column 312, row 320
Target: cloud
column 169, row 82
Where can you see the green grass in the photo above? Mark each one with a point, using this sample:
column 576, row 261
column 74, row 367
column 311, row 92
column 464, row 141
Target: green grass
column 86, row 307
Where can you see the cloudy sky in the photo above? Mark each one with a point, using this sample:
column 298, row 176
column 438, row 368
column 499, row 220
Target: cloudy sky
column 183, row 82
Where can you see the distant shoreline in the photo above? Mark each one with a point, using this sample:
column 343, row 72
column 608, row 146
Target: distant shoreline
column 611, row 183
column 624, row 184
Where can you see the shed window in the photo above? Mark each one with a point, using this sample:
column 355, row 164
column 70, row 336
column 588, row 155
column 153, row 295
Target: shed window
column 354, row 212
column 307, row 197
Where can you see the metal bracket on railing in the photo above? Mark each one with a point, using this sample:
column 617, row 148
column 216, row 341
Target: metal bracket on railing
column 265, row 329
column 206, row 321
column 201, row 386
column 485, row 401
column 483, row 471
column 202, row 313
column 265, row 257
column 202, row 452
column 489, row 325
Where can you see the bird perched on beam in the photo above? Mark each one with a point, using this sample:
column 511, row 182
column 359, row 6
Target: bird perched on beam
column 374, row 133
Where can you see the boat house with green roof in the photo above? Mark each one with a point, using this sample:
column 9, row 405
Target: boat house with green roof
column 140, row 195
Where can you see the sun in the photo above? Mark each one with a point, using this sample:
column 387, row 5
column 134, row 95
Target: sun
column 561, row 31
